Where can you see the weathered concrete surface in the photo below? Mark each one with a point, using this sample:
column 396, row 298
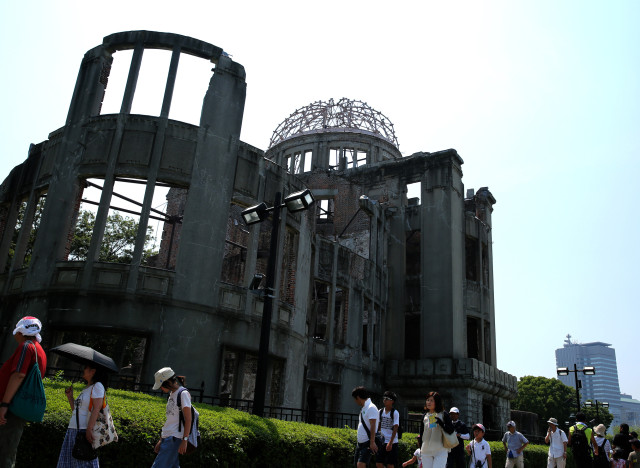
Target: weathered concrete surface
column 371, row 288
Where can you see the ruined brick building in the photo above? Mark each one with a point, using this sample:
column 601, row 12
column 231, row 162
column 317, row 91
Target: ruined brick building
column 372, row 287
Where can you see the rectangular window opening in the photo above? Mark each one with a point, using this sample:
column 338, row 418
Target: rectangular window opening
column 119, row 237
column 414, row 192
column 308, row 159
column 320, row 309
column 334, row 157
column 117, row 83
column 235, row 248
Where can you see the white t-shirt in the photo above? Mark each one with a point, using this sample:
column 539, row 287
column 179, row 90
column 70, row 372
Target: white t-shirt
column 418, row 457
column 82, row 404
column 172, row 424
column 386, row 425
column 368, row 411
column 479, row 452
column 557, row 439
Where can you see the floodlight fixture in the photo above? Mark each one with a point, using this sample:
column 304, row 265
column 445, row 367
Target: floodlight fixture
column 255, row 282
column 563, row 371
column 588, row 403
column 604, row 404
column 299, row 201
column 589, row 370
column 255, row 214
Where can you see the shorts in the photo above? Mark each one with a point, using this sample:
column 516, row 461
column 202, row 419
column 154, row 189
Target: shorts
column 387, row 458
column 362, row 453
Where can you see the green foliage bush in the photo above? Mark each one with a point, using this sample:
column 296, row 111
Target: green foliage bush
column 230, row 438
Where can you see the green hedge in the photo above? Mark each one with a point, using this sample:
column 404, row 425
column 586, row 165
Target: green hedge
column 230, row 438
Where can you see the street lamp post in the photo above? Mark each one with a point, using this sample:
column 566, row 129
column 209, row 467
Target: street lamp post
column 295, row 202
column 601, row 404
column 587, row 370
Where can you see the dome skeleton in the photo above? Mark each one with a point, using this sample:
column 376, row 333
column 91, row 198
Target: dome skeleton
column 344, row 114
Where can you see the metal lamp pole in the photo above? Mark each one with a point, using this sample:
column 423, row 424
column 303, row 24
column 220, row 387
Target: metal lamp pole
column 575, row 374
column 267, row 312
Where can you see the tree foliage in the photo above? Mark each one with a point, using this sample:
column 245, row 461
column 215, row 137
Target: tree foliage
column 118, row 241
column 552, row 398
column 602, row 416
column 546, row 397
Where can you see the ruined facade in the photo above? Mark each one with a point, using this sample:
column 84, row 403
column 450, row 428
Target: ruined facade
column 372, row 287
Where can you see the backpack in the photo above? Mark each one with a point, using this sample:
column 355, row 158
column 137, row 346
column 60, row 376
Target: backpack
column 600, row 460
column 579, row 443
column 194, row 434
column 29, row 401
column 400, row 430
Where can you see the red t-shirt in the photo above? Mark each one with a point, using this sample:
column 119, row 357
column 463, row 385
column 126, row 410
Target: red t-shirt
column 21, row 361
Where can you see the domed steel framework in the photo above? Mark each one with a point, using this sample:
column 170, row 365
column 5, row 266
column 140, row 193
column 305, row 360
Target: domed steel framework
column 344, row 114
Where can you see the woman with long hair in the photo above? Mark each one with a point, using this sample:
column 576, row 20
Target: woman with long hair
column 85, row 411
column 435, row 420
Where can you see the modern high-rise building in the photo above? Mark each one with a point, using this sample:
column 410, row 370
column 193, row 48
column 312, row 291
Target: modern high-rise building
column 603, row 386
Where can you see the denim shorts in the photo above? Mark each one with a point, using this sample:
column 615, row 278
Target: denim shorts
column 362, row 453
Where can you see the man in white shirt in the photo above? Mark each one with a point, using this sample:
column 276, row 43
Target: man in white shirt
column 557, row 440
column 367, row 425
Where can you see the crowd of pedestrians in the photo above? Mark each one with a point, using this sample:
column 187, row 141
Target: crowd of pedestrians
column 589, row 446
column 441, row 443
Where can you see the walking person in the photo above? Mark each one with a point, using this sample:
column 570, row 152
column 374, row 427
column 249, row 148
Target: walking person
column 514, row 443
column 557, row 440
column 84, row 413
column 581, row 441
column 12, row 375
column 604, row 448
column 434, row 422
column 177, row 427
column 389, row 422
column 622, row 440
column 478, row 449
column 367, row 425
column 456, row 456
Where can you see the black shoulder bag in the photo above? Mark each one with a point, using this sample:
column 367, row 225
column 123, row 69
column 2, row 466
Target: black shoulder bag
column 378, row 439
column 82, row 449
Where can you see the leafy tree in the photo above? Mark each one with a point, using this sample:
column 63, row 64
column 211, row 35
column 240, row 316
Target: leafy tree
column 118, row 241
column 602, row 416
column 545, row 397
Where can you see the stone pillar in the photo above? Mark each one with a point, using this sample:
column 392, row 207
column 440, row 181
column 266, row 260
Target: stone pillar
column 442, row 257
column 62, row 192
column 211, row 186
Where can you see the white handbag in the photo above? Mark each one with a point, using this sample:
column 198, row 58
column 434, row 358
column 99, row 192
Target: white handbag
column 104, row 431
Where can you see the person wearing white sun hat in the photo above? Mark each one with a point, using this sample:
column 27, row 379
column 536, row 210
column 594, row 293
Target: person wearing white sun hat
column 175, row 433
column 12, row 374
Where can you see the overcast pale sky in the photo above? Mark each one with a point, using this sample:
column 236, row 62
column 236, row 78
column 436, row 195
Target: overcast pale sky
column 540, row 98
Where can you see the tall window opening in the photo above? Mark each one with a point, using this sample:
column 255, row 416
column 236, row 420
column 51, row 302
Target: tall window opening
column 320, row 306
column 288, row 267
column 473, row 338
column 412, row 336
column 239, row 369
column 308, row 159
column 340, row 316
column 471, row 258
column 414, row 192
column 365, row 325
column 235, row 248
